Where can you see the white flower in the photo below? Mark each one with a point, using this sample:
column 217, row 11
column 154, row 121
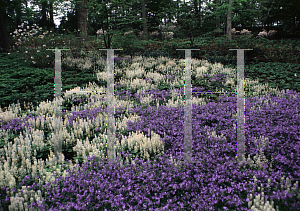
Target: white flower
column 245, row 31
column 26, row 51
column 20, row 30
column 100, row 32
column 129, row 33
column 27, row 27
column 168, row 35
column 8, row 53
column 266, row 34
column 295, row 75
column 38, row 51
column 44, row 45
column 47, row 56
column 154, row 33
column 172, row 27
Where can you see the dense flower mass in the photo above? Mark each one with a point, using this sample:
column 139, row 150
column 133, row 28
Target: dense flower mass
column 152, row 173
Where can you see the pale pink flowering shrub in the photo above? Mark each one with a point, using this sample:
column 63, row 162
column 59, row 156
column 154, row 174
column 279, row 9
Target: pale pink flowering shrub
column 264, row 33
column 155, row 34
column 130, row 32
column 244, row 31
column 168, row 35
column 100, row 32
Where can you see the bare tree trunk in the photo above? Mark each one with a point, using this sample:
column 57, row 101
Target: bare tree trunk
column 82, row 19
column 229, row 15
column 5, row 44
column 200, row 13
column 197, row 11
column 296, row 22
column 144, row 15
column 218, row 24
column 43, row 22
column 51, row 21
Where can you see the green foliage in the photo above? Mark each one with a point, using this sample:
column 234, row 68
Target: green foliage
column 24, row 81
column 30, row 85
column 131, row 42
column 154, row 54
column 163, row 86
column 80, row 100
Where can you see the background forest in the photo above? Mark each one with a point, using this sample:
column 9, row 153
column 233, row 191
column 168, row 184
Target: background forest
column 90, row 16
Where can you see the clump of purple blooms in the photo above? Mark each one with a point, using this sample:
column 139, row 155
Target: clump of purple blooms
column 214, row 181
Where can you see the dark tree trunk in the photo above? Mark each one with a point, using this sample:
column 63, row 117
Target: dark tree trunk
column 145, row 30
column 43, row 22
column 218, row 23
column 82, row 18
column 51, row 21
column 5, row 43
column 229, row 15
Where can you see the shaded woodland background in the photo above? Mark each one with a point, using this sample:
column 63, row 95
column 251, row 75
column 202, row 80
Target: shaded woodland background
column 218, row 17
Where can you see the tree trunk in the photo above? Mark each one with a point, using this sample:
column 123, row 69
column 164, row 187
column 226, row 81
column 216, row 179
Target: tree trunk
column 197, row 11
column 229, row 15
column 200, row 13
column 51, row 21
column 43, row 22
column 18, row 14
column 82, row 19
column 5, row 44
column 107, row 44
column 218, row 24
column 296, row 22
column 144, row 15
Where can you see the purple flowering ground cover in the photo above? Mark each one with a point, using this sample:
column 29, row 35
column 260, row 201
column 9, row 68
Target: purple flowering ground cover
column 214, row 182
